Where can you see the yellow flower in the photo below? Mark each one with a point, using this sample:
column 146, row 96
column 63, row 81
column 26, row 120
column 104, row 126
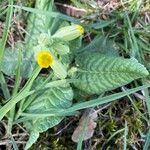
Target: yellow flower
column 44, row 59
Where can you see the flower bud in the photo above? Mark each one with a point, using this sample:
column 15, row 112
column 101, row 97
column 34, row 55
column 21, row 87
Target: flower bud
column 69, row 33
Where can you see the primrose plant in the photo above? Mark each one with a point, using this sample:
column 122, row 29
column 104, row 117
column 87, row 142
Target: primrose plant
column 50, row 46
column 58, row 98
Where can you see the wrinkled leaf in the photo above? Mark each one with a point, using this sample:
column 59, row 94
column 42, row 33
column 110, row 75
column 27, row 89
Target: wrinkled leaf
column 102, row 45
column 53, row 98
column 10, row 60
column 99, row 73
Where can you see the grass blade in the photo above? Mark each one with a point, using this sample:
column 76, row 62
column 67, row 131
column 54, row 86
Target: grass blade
column 15, row 147
column 6, row 30
column 15, row 90
column 22, row 94
column 2, row 47
column 91, row 103
column 106, row 99
column 125, row 136
column 46, row 13
column 147, row 143
column 101, row 24
column 4, row 87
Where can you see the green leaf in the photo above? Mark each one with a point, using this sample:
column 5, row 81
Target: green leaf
column 59, row 69
column 61, row 48
column 53, row 98
column 32, row 139
column 101, row 24
column 102, row 45
column 99, row 73
column 37, row 22
column 10, row 60
column 147, row 141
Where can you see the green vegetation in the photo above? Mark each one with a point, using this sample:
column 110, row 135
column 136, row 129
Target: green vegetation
column 87, row 64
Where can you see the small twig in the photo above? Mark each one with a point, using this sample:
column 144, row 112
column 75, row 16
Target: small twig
column 19, row 134
column 100, row 109
column 136, row 94
column 147, row 18
column 9, row 142
column 22, row 129
column 62, row 129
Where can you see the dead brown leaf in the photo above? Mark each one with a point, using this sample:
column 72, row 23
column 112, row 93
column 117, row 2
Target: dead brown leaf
column 86, row 123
